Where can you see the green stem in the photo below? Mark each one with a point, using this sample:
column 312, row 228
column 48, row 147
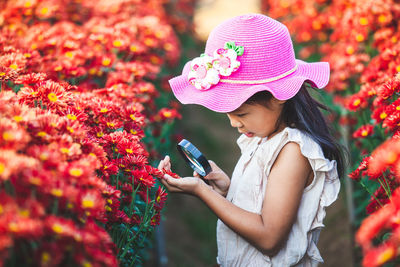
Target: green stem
column 132, row 204
column 144, row 223
column 387, row 185
column 55, row 206
column 366, row 188
column 382, row 183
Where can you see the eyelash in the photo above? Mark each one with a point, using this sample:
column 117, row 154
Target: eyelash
column 241, row 115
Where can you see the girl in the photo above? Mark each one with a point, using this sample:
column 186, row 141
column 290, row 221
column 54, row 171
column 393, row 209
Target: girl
column 271, row 210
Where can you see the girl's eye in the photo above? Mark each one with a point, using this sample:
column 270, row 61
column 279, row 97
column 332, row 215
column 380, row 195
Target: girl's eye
column 241, row 115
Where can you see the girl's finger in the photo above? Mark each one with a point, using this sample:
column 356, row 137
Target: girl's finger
column 160, row 165
column 195, row 174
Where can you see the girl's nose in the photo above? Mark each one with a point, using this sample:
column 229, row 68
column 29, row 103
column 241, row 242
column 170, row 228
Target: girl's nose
column 235, row 123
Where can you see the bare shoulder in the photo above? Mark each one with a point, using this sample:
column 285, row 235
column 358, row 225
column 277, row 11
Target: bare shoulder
column 291, row 165
column 291, row 154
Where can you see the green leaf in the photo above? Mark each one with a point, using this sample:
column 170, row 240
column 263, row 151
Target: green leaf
column 239, row 50
column 230, row 45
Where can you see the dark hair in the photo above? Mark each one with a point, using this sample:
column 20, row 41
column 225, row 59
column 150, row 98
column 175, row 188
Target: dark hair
column 303, row 112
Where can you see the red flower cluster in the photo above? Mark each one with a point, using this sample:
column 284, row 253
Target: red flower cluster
column 77, row 90
column 384, row 220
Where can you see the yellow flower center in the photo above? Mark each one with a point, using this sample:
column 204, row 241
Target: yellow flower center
column 58, row 68
column 360, row 37
column 7, row 136
column 24, row 213
column 43, row 157
column 363, row 21
column 13, row 227
column 106, row 62
column 56, row 192
column 71, row 117
column 356, row 102
column 117, row 43
column 2, row 168
column 87, row 203
column 316, row 25
column 132, row 117
column 57, row 228
column 382, row 18
column 133, row 48
column 45, row 257
column 391, row 157
column 133, row 131
column 18, row 118
column 64, row 150
column 75, row 172
column 128, row 150
column 35, row 180
column 27, row 4
column 168, row 47
column 383, row 115
column 52, row 97
column 2, row 73
column 69, row 54
column 364, row 133
column 104, row 110
column 100, row 134
column 41, row 134
column 385, row 256
column 14, row 66
column 350, row 50
column 167, row 114
column 44, row 11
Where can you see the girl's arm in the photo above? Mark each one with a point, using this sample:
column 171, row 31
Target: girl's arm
column 266, row 231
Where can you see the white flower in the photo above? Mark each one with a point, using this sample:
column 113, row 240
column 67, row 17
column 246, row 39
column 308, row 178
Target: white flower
column 202, row 75
column 225, row 61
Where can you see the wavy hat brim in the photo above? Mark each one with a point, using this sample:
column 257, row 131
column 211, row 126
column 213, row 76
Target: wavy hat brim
column 226, row 97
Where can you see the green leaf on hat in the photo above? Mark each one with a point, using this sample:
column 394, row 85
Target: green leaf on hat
column 238, row 49
column 230, row 45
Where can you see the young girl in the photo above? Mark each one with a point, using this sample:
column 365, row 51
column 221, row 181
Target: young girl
column 271, row 210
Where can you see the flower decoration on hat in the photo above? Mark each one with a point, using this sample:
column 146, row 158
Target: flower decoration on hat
column 205, row 71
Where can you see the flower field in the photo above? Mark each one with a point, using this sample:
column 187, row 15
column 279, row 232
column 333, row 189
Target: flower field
column 82, row 82
column 360, row 40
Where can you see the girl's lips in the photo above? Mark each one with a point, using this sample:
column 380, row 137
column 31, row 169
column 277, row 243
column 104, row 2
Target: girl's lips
column 249, row 134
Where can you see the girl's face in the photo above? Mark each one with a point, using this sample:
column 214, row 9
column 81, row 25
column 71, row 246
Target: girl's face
column 256, row 119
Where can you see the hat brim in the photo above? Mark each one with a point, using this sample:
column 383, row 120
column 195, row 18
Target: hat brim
column 226, row 97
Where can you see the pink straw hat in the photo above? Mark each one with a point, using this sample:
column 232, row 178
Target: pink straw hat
column 245, row 55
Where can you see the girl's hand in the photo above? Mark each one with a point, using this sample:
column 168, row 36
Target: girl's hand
column 188, row 185
column 217, row 178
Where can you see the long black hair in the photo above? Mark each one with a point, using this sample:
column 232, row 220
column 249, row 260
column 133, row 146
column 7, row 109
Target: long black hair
column 304, row 113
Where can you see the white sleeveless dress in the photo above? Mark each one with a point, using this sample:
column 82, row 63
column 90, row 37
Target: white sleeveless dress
column 247, row 191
